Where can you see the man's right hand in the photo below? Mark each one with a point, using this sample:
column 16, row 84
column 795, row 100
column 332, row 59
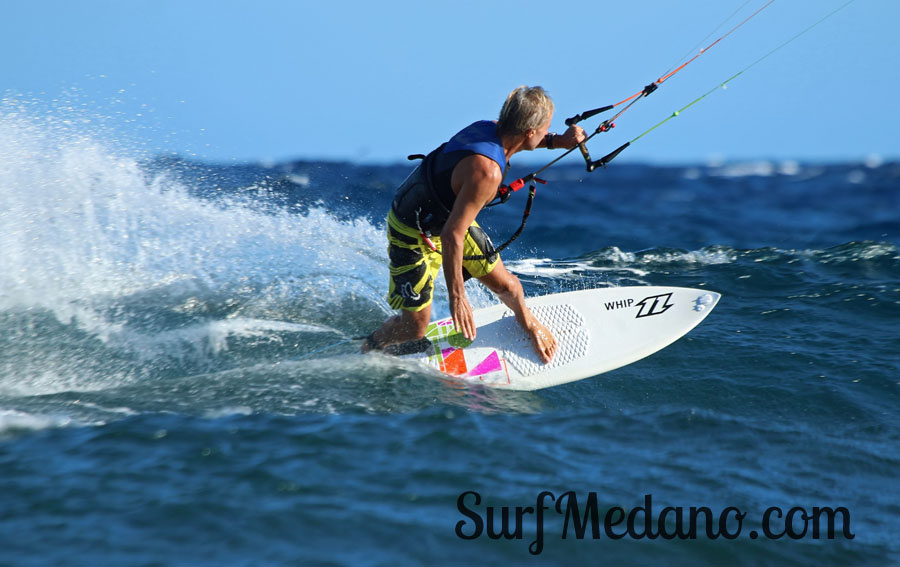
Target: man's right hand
column 571, row 138
column 463, row 318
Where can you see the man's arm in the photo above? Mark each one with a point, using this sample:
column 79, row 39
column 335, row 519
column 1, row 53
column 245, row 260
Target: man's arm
column 478, row 178
column 573, row 136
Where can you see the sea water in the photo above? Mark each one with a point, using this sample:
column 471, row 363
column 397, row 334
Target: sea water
column 164, row 399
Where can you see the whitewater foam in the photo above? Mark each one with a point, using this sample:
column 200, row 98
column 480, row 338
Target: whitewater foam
column 134, row 260
column 213, row 337
column 13, row 422
column 549, row 268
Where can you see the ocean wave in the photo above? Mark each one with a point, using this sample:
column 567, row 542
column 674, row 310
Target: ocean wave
column 550, row 268
column 746, row 169
column 616, row 261
column 615, row 267
column 862, row 251
column 14, row 422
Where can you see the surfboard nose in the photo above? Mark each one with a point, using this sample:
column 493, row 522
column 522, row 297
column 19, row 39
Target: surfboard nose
column 706, row 301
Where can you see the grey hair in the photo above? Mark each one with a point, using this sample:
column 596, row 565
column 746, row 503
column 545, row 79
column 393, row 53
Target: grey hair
column 525, row 108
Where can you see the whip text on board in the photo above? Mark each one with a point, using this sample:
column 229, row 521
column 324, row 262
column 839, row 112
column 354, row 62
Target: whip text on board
column 610, row 305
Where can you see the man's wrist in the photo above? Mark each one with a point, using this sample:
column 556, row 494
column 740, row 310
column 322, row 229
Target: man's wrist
column 550, row 140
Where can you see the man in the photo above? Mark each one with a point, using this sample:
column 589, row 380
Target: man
column 432, row 219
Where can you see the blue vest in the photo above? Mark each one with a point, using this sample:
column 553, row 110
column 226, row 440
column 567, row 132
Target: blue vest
column 479, row 138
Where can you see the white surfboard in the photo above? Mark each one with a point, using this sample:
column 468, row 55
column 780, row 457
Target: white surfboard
column 598, row 330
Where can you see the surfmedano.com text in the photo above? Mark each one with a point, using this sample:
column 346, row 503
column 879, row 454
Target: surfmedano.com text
column 583, row 520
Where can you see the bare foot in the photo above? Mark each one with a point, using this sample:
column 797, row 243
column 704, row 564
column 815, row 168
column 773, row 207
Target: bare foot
column 369, row 344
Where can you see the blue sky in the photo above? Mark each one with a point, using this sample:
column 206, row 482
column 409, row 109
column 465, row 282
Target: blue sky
column 375, row 81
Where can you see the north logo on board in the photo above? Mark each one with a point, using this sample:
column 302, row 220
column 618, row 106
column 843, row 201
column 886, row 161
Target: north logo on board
column 654, row 305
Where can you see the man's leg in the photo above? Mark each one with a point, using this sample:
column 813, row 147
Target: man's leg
column 413, row 268
column 509, row 289
column 407, row 326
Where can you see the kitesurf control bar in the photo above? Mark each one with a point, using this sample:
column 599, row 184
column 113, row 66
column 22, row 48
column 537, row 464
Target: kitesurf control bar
column 608, row 157
column 584, row 116
column 606, row 126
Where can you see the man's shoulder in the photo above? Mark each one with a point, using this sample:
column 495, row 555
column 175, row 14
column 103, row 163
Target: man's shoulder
column 481, row 167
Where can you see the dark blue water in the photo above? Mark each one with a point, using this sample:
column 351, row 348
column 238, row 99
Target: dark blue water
column 153, row 410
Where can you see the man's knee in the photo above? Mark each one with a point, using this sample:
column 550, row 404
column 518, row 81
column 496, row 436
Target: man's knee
column 501, row 282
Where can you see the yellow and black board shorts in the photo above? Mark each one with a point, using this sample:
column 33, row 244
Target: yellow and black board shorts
column 414, row 265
